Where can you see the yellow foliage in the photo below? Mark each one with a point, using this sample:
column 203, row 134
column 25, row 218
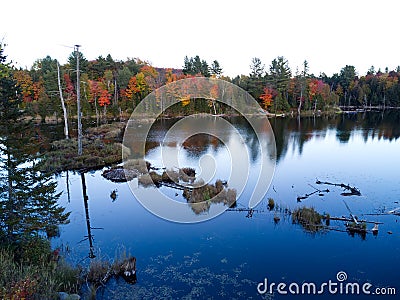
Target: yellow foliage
column 185, row 100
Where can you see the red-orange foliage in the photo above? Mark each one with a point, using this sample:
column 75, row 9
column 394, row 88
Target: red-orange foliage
column 266, row 97
column 94, row 90
column 69, row 88
column 25, row 83
column 313, row 88
column 104, row 98
column 214, row 92
column 38, row 90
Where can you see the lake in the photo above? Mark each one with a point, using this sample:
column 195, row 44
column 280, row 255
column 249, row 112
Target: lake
column 229, row 255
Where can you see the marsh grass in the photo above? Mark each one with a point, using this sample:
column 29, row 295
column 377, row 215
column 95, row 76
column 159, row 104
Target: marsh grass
column 308, row 218
column 201, row 197
column 139, row 165
column 96, row 154
column 271, row 203
column 113, row 131
column 26, row 278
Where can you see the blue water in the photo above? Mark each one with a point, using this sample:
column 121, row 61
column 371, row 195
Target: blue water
column 229, row 255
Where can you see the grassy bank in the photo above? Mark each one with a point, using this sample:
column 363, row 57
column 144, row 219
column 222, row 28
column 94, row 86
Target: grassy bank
column 101, row 147
column 31, row 270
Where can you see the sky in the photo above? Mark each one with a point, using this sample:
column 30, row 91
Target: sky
column 328, row 34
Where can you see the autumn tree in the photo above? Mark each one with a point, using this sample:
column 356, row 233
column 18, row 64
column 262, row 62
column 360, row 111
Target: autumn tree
column 104, row 98
column 94, row 94
column 214, row 94
column 137, row 88
column 266, row 97
column 25, row 83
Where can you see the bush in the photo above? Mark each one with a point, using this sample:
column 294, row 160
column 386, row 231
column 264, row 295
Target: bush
column 33, row 271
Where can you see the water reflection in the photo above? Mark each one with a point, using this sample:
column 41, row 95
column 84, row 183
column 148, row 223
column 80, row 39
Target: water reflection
column 207, row 258
column 298, row 131
column 88, row 227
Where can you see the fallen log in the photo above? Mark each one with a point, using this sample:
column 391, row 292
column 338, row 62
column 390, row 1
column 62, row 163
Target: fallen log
column 353, row 190
column 344, row 219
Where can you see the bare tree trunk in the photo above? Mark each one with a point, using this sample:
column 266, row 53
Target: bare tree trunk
column 384, row 100
column 300, row 102
column 315, row 106
column 115, row 93
column 78, row 101
column 66, row 132
column 97, row 112
column 213, row 104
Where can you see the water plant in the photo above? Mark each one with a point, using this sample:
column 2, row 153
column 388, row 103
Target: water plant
column 308, row 218
column 271, row 203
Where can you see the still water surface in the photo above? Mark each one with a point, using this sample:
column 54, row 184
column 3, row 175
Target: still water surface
column 229, row 255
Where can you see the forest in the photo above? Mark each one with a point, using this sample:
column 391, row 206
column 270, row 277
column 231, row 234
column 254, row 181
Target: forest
column 29, row 211
column 111, row 87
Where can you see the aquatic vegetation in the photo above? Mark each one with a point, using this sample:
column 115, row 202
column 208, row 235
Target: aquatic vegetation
column 139, row 165
column 164, row 272
column 308, row 218
column 63, row 155
column 187, row 174
column 119, row 174
column 113, row 131
column 271, row 203
column 99, row 272
column 357, row 228
column 170, row 176
column 327, row 218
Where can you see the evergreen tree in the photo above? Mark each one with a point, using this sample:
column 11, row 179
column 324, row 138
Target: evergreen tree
column 256, row 80
column 279, row 78
column 196, row 66
column 28, row 198
column 216, row 69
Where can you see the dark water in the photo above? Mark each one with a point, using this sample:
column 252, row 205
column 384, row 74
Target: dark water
column 229, row 255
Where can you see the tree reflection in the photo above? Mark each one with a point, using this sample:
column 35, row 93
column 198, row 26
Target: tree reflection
column 296, row 132
column 88, row 227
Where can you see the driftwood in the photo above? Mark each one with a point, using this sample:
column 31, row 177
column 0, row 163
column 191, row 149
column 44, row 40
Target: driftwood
column 353, row 190
column 344, row 219
column 250, row 211
column 320, row 193
column 127, row 270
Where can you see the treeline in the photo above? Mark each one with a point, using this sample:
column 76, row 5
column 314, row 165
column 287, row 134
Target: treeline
column 112, row 87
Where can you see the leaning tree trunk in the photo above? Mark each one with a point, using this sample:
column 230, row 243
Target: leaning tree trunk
column 63, row 103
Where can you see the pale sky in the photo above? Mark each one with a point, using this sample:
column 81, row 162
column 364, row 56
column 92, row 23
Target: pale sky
column 328, row 34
